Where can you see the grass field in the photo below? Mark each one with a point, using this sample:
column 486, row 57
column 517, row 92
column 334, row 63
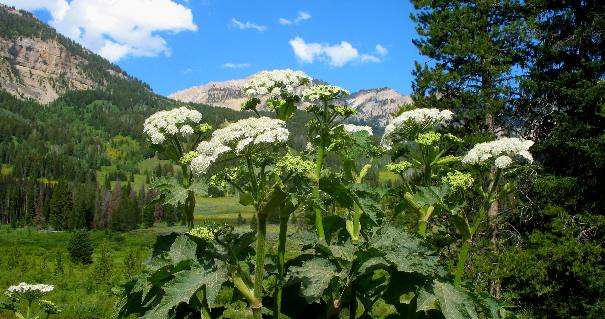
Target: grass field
column 29, row 255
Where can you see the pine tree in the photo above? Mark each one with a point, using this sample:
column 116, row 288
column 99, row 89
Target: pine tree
column 61, row 206
column 80, row 247
column 474, row 47
column 103, row 266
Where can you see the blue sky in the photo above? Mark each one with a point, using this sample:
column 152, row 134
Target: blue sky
column 174, row 45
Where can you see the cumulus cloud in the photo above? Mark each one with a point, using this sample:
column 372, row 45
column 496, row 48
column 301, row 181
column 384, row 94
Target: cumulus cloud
column 116, row 29
column 302, row 16
column 230, row 65
column 380, row 50
column 336, row 55
column 247, row 25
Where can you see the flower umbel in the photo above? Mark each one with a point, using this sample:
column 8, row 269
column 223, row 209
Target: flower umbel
column 275, row 83
column 237, row 138
column 352, row 128
column 503, row 151
column 324, row 93
column 30, row 292
column 179, row 121
column 409, row 124
column 457, row 180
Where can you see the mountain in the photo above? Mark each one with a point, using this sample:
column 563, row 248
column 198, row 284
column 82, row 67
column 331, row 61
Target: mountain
column 374, row 106
column 38, row 63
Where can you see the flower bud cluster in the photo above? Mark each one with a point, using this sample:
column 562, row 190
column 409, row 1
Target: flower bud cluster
column 408, row 124
column 324, row 93
column 457, row 180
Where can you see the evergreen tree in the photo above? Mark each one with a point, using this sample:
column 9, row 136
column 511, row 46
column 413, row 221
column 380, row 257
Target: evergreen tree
column 80, row 247
column 61, row 206
column 103, row 266
column 474, row 47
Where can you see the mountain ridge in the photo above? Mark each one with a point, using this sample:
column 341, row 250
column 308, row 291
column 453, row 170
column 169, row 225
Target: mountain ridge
column 39, row 63
column 375, row 106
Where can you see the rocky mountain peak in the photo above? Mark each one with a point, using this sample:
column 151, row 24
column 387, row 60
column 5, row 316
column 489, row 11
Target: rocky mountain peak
column 374, row 106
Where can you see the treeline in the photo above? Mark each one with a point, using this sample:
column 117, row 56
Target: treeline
column 80, row 136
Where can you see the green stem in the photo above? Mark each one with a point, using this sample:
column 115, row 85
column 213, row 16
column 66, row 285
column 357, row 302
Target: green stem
column 205, row 310
column 422, row 227
column 318, row 218
column 245, row 290
column 260, row 263
column 464, row 250
column 281, row 264
column 189, row 209
column 462, row 256
column 29, row 308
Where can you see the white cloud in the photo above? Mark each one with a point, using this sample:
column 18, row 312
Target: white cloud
column 247, row 25
column 369, row 58
column 230, row 65
column 336, row 55
column 382, row 51
column 284, row 21
column 302, row 16
column 116, row 29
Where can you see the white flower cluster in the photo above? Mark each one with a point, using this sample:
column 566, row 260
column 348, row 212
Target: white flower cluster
column 24, row 288
column 236, row 137
column 352, row 128
column 324, row 92
column 276, row 82
column 172, row 122
column 503, row 150
column 414, row 122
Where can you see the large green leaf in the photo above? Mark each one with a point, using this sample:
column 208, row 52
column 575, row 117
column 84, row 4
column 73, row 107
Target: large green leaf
column 404, row 251
column 315, row 275
column 183, row 249
column 332, row 185
column 454, row 302
column 184, row 286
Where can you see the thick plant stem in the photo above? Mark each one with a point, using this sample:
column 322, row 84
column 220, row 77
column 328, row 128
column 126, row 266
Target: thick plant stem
column 189, row 209
column 205, row 310
column 319, row 226
column 281, row 264
column 260, row 263
column 422, row 227
column 462, row 255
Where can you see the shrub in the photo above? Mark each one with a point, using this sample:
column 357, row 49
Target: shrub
column 80, row 248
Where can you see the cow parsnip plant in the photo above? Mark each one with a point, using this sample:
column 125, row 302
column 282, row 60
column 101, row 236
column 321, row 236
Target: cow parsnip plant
column 31, row 296
column 176, row 134
column 354, row 264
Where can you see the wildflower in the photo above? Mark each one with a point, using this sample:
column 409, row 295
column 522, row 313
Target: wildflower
column 503, row 150
column 170, row 123
column 188, row 157
column 400, row 167
column 294, row 164
column 457, row 180
column 275, row 83
column 428, row 139
column 238, row 137
column 409, row 124
column 324, row 93
column 203, row 232
column 49, row 307
column 352, row 128
column 30, row 292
